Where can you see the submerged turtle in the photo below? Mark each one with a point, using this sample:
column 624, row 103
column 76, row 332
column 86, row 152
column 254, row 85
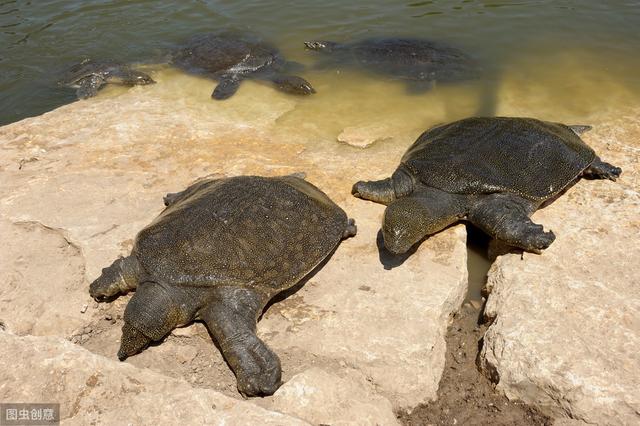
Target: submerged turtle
column 492, row 172
column 420, row 62
column 231, row 58
column 219, row 252
column 89, row 76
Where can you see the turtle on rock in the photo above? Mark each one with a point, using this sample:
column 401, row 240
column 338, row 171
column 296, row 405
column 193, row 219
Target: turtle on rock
column 493, row 172
column 219, row 252
column 419, row 62
column 231, row 57
column 89, row 76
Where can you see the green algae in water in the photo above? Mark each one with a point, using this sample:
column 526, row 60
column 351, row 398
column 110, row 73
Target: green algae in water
column 578, row 55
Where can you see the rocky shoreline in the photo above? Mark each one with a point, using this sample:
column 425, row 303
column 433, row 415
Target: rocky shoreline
column 363, row 338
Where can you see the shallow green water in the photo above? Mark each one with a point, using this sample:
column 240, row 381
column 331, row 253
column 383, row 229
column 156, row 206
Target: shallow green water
column 533, row 38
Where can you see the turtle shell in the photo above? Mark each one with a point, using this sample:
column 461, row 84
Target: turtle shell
column 535, row 159
column 411, row 59
column 265, row 233
column 225, row 53
column 90, row 67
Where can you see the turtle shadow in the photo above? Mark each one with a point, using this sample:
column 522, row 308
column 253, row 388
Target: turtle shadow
column 390, row 260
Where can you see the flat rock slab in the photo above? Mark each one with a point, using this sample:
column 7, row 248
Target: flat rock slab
column 566, row 330
column 324, row 398
column 94, row 390
column 86, row 177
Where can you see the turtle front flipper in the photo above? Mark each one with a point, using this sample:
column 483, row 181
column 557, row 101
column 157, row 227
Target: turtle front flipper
column 231, row 318
column 291, row 84
column 599, row 169
column 120, row 277
column 227, row 87
column 506, row 217
column 89, row 86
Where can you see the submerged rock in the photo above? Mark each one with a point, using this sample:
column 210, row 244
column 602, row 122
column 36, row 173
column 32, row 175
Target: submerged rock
column 566, row 332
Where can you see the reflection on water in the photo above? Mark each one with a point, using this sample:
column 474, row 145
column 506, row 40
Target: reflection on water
column 553, row 47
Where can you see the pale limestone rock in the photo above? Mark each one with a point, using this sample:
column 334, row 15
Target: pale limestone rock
column 364, row 136
column 94, row 390
column 566, row 335
column 42, row 276
column 324, row 398
column 96, row 171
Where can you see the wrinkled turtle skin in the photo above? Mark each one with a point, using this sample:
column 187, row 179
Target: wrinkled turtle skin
column 493, row 172
column 218, row 253
column 231, row 57
column 421, row 63
column 89, row 76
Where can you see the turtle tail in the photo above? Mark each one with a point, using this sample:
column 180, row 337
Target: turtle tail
column 120, row 277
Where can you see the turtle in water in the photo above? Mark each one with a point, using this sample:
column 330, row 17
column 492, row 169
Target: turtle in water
column 219, row 252
column 230, row 58
column 493, row 172
column 421, row 63
column 89, row 76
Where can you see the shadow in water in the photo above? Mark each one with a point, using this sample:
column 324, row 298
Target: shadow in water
column 478, row 262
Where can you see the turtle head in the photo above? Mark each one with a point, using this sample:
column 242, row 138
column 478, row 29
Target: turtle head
column 151, row 314
column 139, row 78
column 400, row 231
column 409, row 219
column 132, row 342
column 293, row 84
column 319, row 45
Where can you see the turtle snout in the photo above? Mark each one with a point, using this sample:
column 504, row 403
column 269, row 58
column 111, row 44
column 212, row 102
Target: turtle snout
column 314, row 45
column 144, row 80
column 132, row 342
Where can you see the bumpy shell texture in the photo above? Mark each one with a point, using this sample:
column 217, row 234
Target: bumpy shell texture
column 225, row 53
column 264, row 233
column 532, row 158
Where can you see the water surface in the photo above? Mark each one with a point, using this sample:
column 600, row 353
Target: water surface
column 573, row 51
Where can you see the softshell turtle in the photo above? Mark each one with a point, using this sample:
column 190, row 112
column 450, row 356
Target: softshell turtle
column 492, row 172
column 89, row 76
column 230, row 57
column 419, row 62
column 219, row 252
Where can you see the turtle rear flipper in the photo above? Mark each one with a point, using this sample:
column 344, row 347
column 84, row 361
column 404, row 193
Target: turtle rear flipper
column 291, row 84
column 89, row 86
column 227, row 87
